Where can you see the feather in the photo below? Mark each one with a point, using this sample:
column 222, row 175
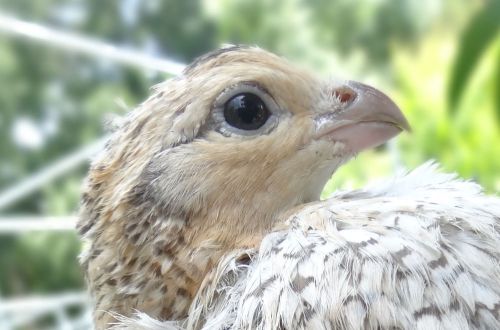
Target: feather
column 418, row 251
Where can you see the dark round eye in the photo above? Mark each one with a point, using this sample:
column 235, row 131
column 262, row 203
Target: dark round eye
column 246, row 111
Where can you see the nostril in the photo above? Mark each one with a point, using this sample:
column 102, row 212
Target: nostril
column 344, row 95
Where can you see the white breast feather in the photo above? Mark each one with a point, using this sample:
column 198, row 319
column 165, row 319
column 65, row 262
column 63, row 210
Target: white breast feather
column 421, row 251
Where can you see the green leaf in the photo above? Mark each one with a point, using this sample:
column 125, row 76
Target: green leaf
column 480, row 32
column 497, row 86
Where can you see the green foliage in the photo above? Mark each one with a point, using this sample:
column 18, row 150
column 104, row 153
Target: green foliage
column 466, row 142
column 480, row 33
column 369, row 26
column 39, row 263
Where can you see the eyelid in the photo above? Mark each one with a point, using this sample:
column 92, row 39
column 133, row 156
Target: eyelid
column 242, row 87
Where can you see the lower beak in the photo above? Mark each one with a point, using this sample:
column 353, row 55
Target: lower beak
column 366, row 119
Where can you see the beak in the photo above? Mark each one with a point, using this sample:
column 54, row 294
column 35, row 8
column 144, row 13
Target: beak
column 366, row 119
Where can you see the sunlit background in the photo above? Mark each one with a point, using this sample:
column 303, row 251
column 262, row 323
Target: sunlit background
column 62, row 83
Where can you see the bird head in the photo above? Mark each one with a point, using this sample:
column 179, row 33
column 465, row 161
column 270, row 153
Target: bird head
column 239, row 137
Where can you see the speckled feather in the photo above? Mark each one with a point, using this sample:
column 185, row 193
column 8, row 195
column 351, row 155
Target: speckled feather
column 420, row 251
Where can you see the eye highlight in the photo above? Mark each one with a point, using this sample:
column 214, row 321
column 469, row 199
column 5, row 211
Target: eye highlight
column 246, row 111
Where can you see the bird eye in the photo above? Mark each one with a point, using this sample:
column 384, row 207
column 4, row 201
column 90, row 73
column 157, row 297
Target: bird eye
column 246, row 111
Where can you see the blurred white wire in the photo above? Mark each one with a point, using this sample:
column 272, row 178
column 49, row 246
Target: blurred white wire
column 49, row 173
column 78, row 43
column 18, row 224
column 23, row 312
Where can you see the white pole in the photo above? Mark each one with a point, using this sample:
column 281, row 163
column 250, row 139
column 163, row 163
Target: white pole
column 21, row 224
column 18, row 312
column 49, row 173
column 78, row 43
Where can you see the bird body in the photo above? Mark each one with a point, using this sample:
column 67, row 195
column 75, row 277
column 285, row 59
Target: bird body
column 203, row 212
column 417, row 252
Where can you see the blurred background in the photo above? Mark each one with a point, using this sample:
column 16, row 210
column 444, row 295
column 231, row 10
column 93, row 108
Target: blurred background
column 68, row 66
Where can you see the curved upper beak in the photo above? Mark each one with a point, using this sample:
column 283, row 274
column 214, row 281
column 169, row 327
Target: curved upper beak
column 366, row 119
